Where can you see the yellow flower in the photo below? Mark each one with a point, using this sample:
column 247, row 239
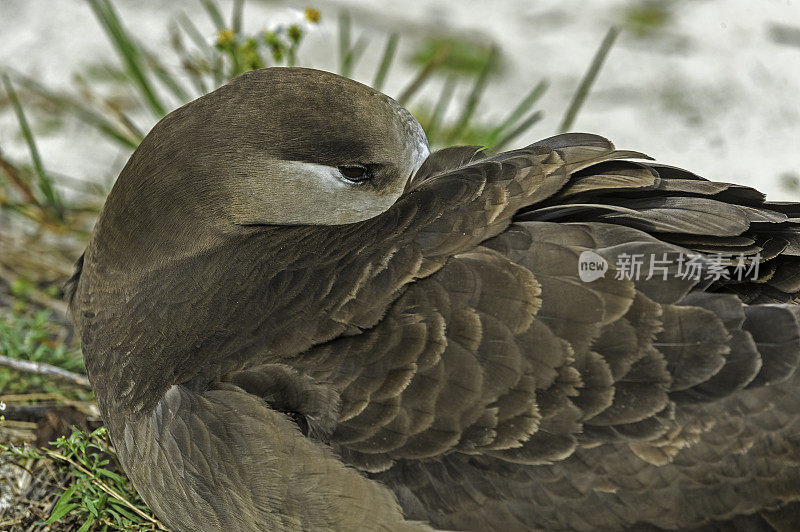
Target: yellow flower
column 226, row 37
column 312, row 15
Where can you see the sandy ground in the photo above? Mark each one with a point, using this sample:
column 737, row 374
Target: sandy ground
column 713, row 91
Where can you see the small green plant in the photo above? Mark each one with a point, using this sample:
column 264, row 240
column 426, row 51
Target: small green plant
column 34, row 338
column 99, row 494
column 31, row 338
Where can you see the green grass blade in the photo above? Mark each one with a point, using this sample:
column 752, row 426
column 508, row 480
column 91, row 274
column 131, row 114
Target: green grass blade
column 81, row 186
column 355, row 53
column 52, row 199
column 24, row 126
column 194, row 34
column 212, row 54
column 345, row 55
column 133, row 55
column 522, row 107
column 14, row 176
column 472, row 99
column 123, row 120
column 166, row 77
column 588, row 79
column 349, row 55
column 187, row 63
column 236, row 17
column 63, row 506
column 196, row 79
column 517, row 131
column 87, row 525
column 440, row 108
column 214, row 14
column 386, row 61
column 122, row 509
column 128, row 52
column 424, row 73
column 82, row 112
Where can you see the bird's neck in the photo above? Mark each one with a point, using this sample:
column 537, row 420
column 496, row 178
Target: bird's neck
column 267, row 296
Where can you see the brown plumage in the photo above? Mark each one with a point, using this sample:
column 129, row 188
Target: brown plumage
column 275, row 348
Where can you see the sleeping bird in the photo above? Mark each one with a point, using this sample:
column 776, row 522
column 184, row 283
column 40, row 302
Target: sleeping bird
column 296, row 317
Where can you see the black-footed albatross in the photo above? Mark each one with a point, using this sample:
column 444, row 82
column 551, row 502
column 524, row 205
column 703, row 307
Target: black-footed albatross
column 296, row 318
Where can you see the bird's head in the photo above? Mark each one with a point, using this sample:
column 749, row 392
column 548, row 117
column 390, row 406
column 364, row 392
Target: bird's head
column 277, row 146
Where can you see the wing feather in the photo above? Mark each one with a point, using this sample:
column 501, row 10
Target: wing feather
column 484, row 382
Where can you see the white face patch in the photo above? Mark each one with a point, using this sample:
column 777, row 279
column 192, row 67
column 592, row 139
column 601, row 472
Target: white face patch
column 300, row 193
column 325, row 177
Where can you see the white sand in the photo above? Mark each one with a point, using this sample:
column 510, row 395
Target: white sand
column 712, row 92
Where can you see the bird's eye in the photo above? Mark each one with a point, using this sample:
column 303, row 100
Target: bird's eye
column 355, row 173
